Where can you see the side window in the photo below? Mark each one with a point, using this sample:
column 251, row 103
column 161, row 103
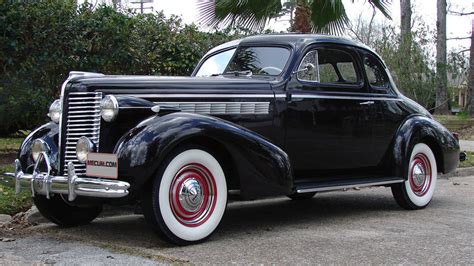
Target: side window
column 307, row 70
column 328, row 66
column 215, row 64
column 375, row 72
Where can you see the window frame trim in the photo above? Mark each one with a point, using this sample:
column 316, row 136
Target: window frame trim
column 328, row 86
column 376, row 89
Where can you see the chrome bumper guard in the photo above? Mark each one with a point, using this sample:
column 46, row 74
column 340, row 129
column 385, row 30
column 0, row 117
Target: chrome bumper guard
column 44, row 184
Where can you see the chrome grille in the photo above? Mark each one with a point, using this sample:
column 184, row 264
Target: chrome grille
column 83, row 119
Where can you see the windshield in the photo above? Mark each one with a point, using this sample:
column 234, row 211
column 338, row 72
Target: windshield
column 215, row 64
column 268, row 61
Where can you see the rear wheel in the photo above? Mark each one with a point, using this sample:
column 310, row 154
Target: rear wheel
column 188, row 197
column 59, row 212
column 417, row 191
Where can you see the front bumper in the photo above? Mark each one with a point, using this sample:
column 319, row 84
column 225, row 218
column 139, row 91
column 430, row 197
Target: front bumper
column 41, row 182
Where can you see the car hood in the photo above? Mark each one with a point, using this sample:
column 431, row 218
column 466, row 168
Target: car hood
column 190, row 84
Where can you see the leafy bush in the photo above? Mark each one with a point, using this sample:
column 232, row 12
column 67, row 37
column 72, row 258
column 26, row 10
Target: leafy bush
column 41, row 41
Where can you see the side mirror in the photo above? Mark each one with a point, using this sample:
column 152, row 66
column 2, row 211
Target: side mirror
column 308, row 67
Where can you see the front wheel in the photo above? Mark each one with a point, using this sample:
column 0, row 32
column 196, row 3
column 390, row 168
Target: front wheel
column 188, row 197
column 59, row 212
column 417, row 191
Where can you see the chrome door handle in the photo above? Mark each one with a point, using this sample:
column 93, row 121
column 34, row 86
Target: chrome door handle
column 367, row 103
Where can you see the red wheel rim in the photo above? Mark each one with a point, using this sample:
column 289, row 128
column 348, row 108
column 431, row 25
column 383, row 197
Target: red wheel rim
column 420, row 175
column 193, row 195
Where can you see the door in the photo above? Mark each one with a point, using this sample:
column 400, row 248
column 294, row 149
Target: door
column 329, row 116
column 388, row 113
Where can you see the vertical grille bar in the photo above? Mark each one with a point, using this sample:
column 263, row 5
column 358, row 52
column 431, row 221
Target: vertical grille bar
column 82, row 119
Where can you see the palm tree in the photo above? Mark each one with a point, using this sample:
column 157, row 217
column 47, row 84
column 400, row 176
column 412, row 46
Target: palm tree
column 323, row 16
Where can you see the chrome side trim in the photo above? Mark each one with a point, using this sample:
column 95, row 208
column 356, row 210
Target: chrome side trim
column 200, row 95
column 361, row 98
column 319, row 189
column 220, row 108
column 266, row 96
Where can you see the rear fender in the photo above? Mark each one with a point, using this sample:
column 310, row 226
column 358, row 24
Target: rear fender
column 417, row 129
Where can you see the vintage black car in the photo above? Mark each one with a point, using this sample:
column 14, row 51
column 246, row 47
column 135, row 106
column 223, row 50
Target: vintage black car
column 269, row 115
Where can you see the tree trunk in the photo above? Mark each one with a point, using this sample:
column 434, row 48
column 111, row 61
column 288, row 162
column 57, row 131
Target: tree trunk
column 405, row 18
column 441, row 71
column 405, row 46
column 470, row 80
column 302, row 21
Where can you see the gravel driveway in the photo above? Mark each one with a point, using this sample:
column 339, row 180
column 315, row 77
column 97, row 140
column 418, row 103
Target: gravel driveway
column 361, row 227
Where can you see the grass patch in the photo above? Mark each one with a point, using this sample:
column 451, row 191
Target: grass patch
column 469, row 162
column 10, row 203
column 447, row 118
column 10, row 145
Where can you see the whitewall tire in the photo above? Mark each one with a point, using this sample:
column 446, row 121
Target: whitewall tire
column 189, row 197
column 417, row 191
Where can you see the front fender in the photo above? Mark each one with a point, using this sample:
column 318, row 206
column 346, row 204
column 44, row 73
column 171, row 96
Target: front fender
column 416, row 129
column 263, row 168
column 49, row 133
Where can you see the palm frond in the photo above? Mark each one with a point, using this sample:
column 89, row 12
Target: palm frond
column 328, row 16
column 383, row 6
column 251, row 14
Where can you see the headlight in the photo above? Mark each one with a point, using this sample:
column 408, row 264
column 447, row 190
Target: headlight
column 38, row 147
column 55, row 111
column 109, row 108
column 83, row 147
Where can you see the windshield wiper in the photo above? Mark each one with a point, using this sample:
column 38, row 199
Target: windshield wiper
column 240, row 73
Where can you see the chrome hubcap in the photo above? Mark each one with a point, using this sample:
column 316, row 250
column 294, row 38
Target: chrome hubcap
column 191, row 196
column 420, row 174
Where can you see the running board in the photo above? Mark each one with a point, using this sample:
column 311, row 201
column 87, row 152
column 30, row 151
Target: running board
column 345, row 184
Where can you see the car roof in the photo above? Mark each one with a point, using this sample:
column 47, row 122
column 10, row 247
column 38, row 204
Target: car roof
column 300, row 39
column 296, row 40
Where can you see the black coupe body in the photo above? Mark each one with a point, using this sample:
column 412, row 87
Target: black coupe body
column 262, row 116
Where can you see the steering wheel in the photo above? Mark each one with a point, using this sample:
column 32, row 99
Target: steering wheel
column 269, row 70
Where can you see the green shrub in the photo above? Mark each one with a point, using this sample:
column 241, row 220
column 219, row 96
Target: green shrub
column 41, row 41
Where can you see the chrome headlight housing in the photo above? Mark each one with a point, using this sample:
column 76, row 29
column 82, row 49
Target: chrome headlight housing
column 55, row 111
column 38, row 147
column 83, row 147
column 109, row 108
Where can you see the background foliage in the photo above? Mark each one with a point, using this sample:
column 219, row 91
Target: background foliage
column 41, row 41
column 413, row 73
